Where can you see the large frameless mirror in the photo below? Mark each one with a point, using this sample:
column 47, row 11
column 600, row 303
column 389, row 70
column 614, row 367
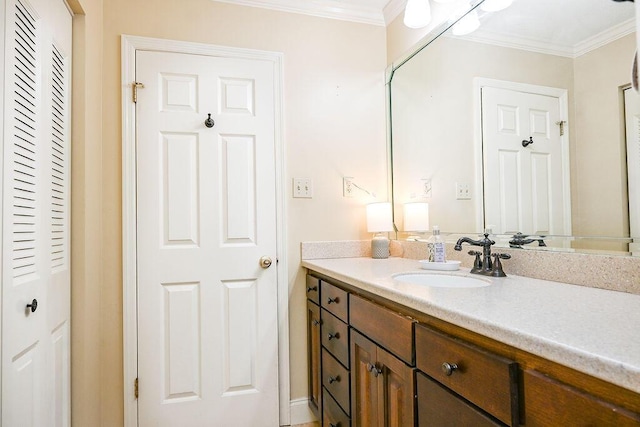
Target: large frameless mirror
column 526, row 125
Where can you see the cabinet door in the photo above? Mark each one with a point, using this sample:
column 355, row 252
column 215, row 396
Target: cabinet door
column 364, row 383
column 313, row 337
column 398, row 390
column 382, row 386
column 439, row 407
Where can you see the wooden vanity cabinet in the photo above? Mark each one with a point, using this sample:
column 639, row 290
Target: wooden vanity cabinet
column 314, row 345
column 486, row 380
column 382, row 392
column 549, row 402
column 382, row 372
column 398, row 370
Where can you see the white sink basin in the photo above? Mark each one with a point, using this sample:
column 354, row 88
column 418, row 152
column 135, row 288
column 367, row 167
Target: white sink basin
column 442, row 280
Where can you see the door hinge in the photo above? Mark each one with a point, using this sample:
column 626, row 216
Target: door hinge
column 561, row 123
column 135, row 388
column 136, row 85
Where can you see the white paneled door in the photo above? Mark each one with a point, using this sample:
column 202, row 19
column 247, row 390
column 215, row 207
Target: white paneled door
column 35, row 212
column 632, row 120
column 525, row 173
column 207, row 308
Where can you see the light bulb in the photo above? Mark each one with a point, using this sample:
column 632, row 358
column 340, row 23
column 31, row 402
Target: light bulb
column 468, row 24
column 495, row 5
column 417, row 14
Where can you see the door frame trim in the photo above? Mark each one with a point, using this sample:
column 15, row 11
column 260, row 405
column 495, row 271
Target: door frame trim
column 563, row 99
column 129, row 46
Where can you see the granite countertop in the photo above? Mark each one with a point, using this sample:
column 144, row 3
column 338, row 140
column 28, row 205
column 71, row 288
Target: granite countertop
column 595, row 331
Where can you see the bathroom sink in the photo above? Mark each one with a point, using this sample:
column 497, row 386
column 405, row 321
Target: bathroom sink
column 442, row 280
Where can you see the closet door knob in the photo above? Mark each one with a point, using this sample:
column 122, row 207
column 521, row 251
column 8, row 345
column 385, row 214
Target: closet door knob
column 33, row 306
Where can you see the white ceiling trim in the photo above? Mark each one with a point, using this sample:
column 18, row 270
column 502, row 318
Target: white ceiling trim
column 539, row 46
column 323, row 8
column 393, row 9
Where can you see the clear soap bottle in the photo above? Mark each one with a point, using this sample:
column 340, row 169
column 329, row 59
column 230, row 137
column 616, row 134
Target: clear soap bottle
column 435, row 246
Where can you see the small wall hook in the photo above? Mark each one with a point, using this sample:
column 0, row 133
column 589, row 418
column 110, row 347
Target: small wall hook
column 209, row 122
column 525, row 142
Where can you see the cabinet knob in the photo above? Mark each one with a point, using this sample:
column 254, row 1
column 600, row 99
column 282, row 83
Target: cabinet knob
column 315, row 322
column 312, row 288
column 448, row 368
column 335, row 425
column 374, row 369
column 335, row 379
column 333, row 300
column 332, row 336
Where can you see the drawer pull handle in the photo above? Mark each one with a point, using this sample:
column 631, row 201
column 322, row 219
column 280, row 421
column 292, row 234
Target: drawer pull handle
column 333, row 300
column 315, row 322
column 335, row 379
column 312, row 288
column 335, row 425
column 374, row 369
column 332, row 336
column 448, row 368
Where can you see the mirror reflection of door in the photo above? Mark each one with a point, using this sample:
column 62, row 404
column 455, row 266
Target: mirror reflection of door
column 525, row 165
column 632, row 121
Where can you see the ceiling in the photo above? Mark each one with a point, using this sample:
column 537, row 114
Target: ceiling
column 574, row 27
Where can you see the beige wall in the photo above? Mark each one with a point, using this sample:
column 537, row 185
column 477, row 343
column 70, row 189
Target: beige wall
column 600, row 200
column 86, row 214
column 334, row 126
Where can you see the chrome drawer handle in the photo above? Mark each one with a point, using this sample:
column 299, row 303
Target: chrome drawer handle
column 335, row 300
column 448, row 368
column 332, row 336
column 312, row 288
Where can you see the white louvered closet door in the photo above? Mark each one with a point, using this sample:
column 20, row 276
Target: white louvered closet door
column 35, row 213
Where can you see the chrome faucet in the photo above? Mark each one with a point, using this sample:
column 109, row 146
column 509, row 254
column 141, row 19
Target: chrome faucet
column 485, row 266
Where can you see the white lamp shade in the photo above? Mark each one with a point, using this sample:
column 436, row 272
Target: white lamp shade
column 468, row 24
column 416, row 216
column 495, row 5
column 379, row 218
column 417, row 14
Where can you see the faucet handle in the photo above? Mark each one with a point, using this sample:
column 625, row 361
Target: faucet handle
column 477, row 263
column 497, row 271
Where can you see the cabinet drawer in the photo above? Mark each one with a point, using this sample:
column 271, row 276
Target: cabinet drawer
column 335, row 379
column 486, row 380
column 549, row 402
column 335, row 337
column 387, row 328
column 335, row 300
column 332, row 415
column 313, row 289
column 438, row 407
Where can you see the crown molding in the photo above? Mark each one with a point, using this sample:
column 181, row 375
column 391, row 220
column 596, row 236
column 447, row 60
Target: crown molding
column 540, row 46
column 393, row 9
column 323, row 8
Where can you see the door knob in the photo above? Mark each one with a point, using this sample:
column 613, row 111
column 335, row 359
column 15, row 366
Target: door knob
column 33, row 306
column 265, row 262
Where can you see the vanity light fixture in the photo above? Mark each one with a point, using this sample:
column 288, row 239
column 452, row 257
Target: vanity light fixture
column 468, row 24
column 379, row 220
column 416, row 218
column 495, row 5
column 417, row 13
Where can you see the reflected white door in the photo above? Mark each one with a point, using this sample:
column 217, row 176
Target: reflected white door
column 525, row 188
column 207, row 311
column 632, row 119
column 35, row 213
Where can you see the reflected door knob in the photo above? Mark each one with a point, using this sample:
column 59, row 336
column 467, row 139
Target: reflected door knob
column 33, row 306
column 265, row 262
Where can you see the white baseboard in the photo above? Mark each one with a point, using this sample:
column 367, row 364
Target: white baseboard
column 300, row 412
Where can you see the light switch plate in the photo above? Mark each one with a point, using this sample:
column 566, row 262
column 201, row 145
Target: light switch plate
column 302, row 188
column 463, row 191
